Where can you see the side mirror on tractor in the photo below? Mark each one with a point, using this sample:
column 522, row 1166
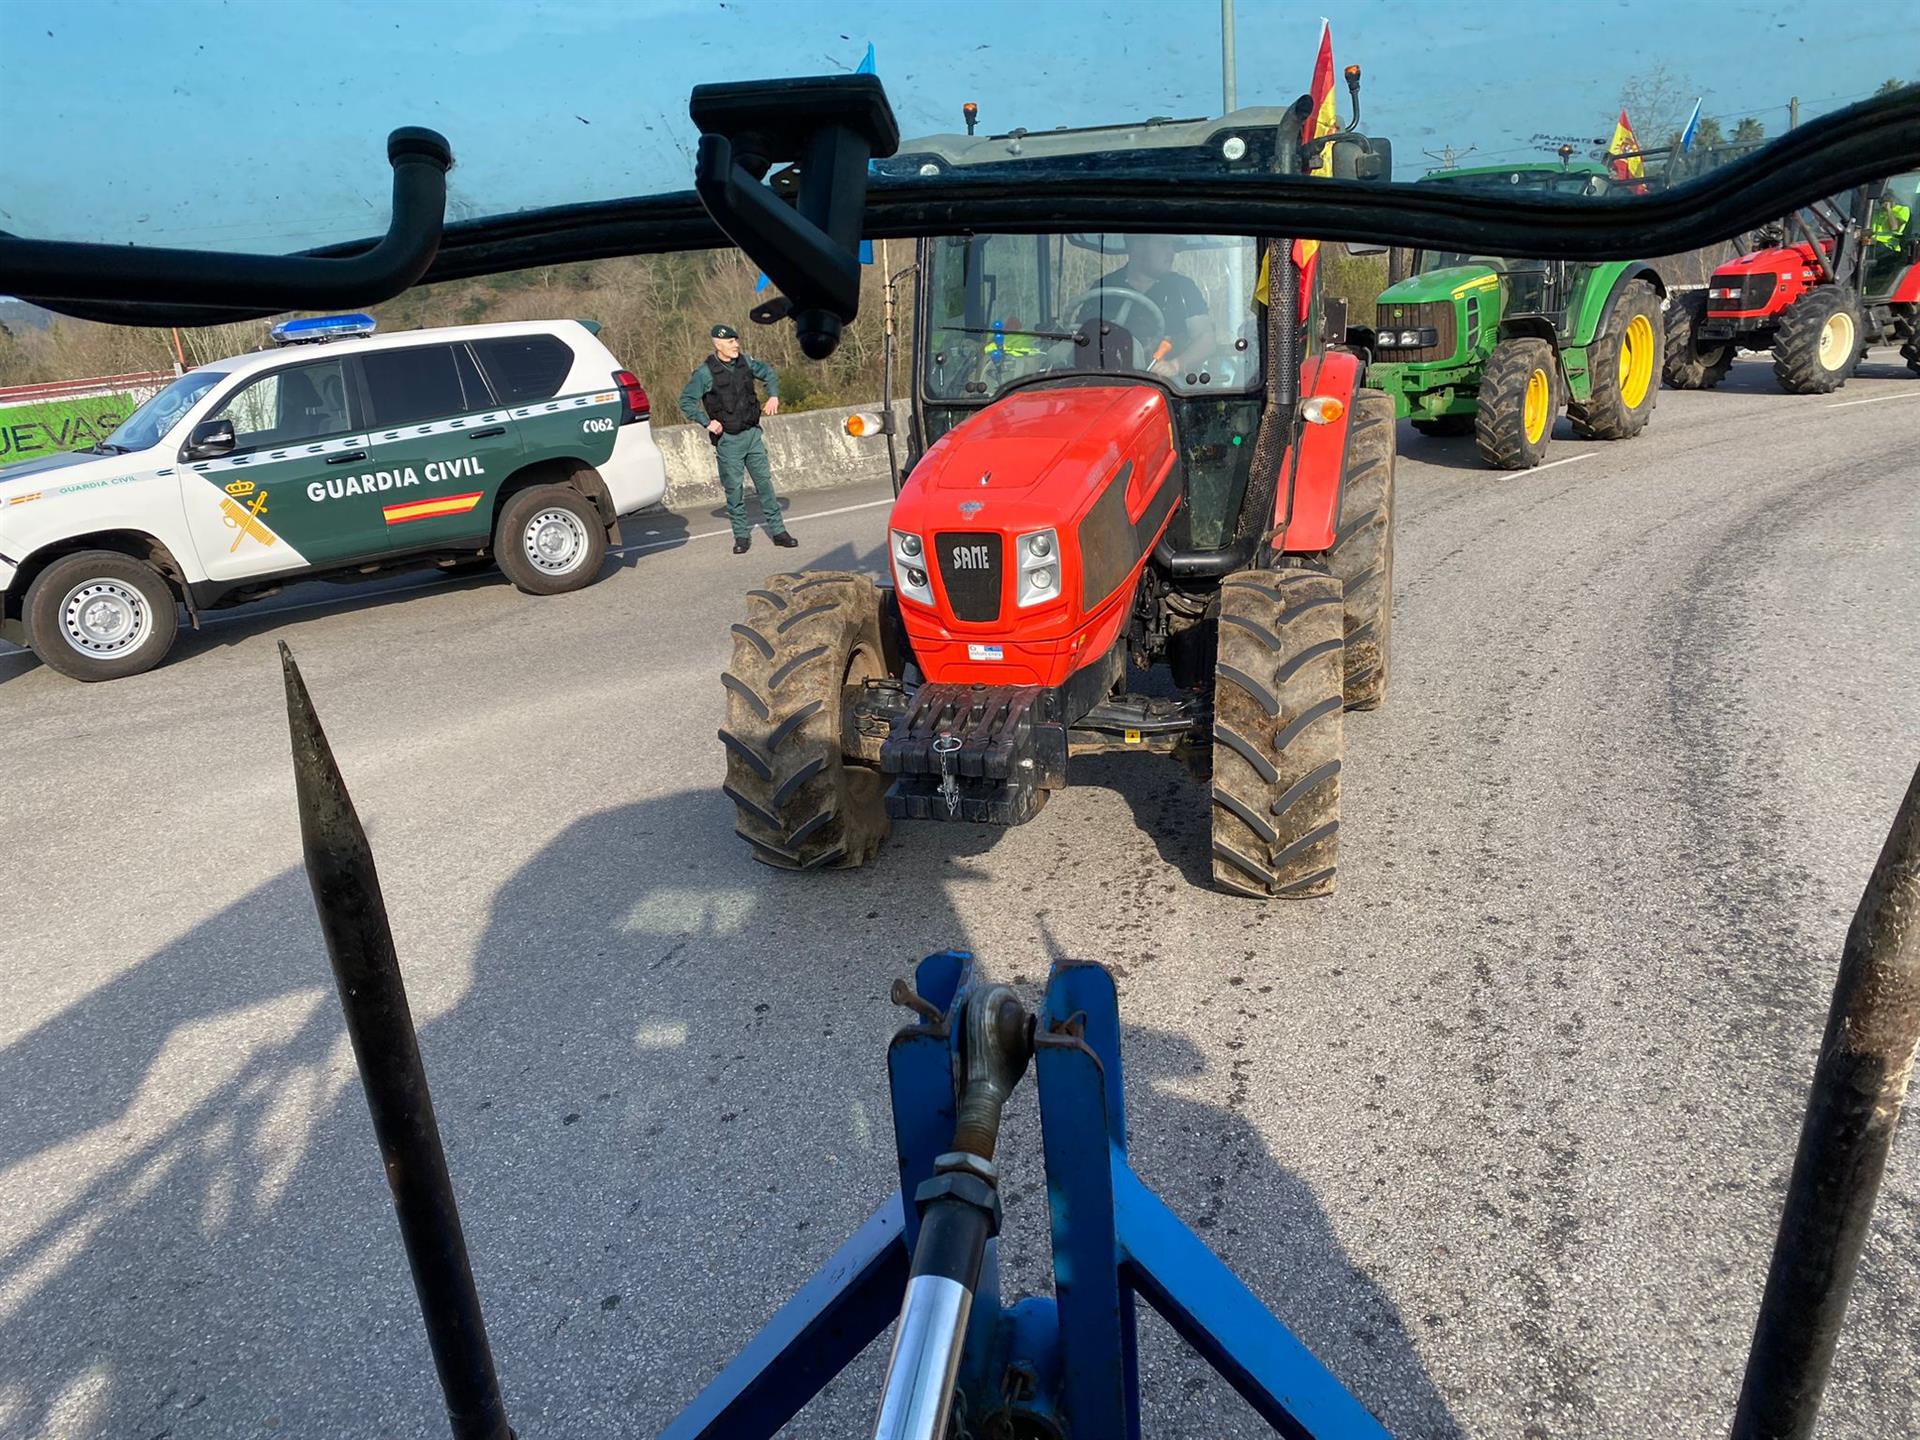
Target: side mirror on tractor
column 1362, row 157
column 209, row 440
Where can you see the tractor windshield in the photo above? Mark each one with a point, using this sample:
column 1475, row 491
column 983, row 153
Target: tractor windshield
column 1004, row 308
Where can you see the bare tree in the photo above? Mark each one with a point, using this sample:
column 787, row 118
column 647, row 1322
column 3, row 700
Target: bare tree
column 1657, row 101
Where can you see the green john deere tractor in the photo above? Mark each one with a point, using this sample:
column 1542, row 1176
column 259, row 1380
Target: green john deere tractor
column 1498, row 349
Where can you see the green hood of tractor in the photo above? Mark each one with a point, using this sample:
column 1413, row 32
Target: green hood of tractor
column 1456, row 282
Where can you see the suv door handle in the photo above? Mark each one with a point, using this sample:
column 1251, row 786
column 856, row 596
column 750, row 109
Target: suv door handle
column 490, row 430
column 348, row 458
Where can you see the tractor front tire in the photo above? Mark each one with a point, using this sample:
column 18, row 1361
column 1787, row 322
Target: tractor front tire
column 1690, row 365
column 1445, row 426
column 800, row 802
column 1817, row 342
column 1623, row 364
column 1278, row 733
column 1519, row 396
column 1362, row 554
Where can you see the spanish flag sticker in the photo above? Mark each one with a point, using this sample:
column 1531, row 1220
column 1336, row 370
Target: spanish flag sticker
column 427, row 509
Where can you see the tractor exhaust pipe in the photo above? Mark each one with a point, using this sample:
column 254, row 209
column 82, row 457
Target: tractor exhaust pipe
column 1859, row 1085
column 353, row 917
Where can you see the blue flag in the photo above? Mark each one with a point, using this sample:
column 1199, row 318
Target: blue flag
column 865, row 67
column 1693, row 124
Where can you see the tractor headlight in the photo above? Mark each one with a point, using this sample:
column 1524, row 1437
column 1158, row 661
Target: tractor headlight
column 1039, row 571
column 908, row 567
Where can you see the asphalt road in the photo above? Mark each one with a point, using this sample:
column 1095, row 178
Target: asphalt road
column 1500, row 1130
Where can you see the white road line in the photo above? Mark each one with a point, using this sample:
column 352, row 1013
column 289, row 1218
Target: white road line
column 1874, row 399
column 438, row 580
column 717, row 534
column 1570, row 460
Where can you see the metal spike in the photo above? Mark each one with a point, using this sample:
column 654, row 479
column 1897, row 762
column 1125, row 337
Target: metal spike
column 353, row 918
column 1859, row 1085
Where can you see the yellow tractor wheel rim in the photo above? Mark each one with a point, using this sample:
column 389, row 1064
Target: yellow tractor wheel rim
column 1636, row 362
column 1836, row 341
column 1534, row 408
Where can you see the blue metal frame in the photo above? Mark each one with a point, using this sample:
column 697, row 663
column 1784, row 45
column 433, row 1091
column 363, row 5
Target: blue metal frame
column 1068, row 1361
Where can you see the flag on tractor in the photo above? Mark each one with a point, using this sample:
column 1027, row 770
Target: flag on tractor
column 1623, row 151
column 1321, row 120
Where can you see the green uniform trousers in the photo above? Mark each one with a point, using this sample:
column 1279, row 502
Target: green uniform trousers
column 749, row 451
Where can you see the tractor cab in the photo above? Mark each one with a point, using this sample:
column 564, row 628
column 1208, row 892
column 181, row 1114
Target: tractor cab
column 1000, row 313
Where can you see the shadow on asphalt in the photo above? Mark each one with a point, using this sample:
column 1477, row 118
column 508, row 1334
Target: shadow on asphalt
column 662, row 1093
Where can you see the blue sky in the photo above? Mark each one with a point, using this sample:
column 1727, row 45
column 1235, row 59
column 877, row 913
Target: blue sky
column 243, row 125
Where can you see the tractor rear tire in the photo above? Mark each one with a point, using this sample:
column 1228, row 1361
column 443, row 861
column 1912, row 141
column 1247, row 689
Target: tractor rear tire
column 1623, row 364
column 1362, row 554
column 801, row 803
column 1278, row 732
column 1444, row 426
column 1689, row 365
column 1817, row 342
column 1519, row 397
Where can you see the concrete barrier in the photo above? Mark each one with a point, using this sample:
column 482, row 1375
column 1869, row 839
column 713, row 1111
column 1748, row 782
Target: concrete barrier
column 809, row 451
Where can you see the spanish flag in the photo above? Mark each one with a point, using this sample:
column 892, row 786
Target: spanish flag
column 1321, row 121
column 1625, row 143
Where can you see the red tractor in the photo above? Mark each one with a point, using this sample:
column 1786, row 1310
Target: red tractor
column 1149, row 507
column 1846, row 276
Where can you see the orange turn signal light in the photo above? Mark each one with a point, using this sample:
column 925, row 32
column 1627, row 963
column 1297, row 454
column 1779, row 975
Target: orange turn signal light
column 863, row 424
column 1323, row 409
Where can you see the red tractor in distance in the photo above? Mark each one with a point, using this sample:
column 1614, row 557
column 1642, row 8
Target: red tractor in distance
column 1147, row 508
column 1846, row 276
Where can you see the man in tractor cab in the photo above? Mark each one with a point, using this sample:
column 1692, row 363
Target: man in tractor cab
column 1891, row 223
column 1188, row 336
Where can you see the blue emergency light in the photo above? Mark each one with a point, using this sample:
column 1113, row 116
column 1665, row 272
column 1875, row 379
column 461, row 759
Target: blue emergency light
column 321, row 327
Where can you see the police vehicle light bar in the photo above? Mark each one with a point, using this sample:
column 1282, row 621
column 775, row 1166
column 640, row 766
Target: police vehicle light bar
column 321, row 327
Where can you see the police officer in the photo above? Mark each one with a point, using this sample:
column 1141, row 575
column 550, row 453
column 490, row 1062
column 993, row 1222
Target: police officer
column 720, row 395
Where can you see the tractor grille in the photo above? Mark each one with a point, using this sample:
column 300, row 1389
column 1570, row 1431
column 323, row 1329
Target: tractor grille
column 970, row 567
column 1737, row 293
column 1436, row 316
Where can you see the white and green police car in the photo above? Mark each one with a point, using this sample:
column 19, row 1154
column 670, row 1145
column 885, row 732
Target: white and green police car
column 337, row 453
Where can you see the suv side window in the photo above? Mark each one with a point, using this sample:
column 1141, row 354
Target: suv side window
column 297, row 403
column 405, row 386
column 525, row 367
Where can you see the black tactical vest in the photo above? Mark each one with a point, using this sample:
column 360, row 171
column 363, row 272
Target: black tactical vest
column 731, row 401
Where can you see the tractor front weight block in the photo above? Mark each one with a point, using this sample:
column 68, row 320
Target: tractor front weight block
column 983, row 754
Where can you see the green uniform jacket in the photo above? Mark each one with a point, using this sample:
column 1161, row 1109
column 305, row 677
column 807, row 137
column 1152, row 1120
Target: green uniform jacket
column 701, row 381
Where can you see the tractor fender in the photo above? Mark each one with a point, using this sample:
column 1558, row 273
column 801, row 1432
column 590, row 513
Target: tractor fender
column 1907, row 292
column 1319, row 456
column 1593, row 321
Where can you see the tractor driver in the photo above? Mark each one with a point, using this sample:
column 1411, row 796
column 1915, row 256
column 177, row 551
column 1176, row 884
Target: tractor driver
column 1149, row 270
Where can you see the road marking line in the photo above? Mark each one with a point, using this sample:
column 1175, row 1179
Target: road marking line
column 1873, row 399
column 728, row 533
column 1570, row 460
column 442, row 579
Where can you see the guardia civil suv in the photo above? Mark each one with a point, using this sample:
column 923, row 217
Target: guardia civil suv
column 335, row 453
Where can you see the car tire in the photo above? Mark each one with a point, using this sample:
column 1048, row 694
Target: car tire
column 799, row 800
column 1362, row 553
column 550, row 540
column 1519, row 398
column 1624, row 364
column 101, row 615
column 1278, row 733
column 1689, row 366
